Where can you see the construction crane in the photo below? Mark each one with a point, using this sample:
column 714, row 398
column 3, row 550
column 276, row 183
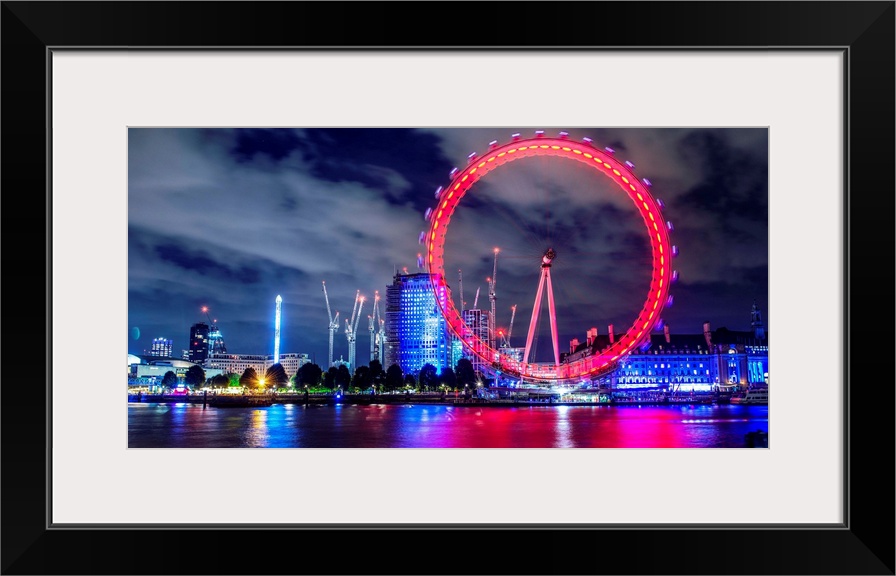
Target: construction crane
column 382, row 342
column 492, row 297
column 351, row 329
column 333, row 326
column 460, row 285
column 370, row 324
column 375, row 325
column 476, row 299
column 506, row 337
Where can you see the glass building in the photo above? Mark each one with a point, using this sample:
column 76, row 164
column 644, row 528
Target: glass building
column 416, row 330
column 199, row 333
column 161, row 347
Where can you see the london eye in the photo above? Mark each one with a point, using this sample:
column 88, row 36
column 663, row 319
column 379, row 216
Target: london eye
column 661, row 274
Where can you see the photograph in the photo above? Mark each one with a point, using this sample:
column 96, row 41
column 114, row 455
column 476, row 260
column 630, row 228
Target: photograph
column 304, row 288
column 227, row 191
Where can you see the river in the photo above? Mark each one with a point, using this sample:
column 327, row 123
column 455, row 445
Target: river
column 435, row 426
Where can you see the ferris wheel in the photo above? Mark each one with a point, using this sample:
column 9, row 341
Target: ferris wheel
column 603, row 161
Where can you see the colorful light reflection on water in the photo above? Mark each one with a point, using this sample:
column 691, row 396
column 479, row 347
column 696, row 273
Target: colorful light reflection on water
column 434, row 426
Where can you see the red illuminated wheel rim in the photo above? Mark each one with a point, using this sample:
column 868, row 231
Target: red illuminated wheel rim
column 602, row 161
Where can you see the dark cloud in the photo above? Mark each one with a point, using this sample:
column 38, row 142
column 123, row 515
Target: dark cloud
column 230, row 218
column 276, row 144
column 199, row 262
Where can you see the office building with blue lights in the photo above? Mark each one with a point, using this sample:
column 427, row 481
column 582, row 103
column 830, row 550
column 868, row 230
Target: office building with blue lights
column 416, row 331
column 715, row 360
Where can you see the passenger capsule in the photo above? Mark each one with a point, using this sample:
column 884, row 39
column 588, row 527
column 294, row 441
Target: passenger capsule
column 427, row 214
column 422, row 239
column 438, row 192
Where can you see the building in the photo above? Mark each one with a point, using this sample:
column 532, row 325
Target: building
column 150, row 370
column 479, row 325
column 713, row 360
column 238, row 363
column 216, row 341
column 161, row 347
column 292, row 362
column 199, row 339
column 416, row 330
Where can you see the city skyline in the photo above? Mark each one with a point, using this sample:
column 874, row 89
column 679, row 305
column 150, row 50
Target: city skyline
column 232, row 218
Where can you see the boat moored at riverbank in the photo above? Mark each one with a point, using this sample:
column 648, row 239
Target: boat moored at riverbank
column 752, row 396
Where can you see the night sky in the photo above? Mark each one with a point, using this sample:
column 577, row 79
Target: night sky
column 230, row 218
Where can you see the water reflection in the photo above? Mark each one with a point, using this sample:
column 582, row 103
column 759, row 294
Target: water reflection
column 432, row 426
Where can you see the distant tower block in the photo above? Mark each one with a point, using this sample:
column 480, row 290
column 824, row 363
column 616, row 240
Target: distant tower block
column 277, row 331
column 611, row 333
column 756, row 323
column 666, row 332
column 707, row 333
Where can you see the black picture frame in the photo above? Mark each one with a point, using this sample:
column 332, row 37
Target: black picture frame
column 864, row 544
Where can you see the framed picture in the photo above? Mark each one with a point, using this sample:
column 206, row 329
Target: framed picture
column 102, row 80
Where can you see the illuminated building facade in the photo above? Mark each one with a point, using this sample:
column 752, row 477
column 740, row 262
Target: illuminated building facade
column 216, row 341
column 237, row 363
column 416, row 331
column 714, row 360
column 292, row 362
column 199, row 333
column 161, row 347
column 478, row 323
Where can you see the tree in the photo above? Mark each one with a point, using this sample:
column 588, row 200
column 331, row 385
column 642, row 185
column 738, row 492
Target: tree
column 233, row 380
column 377, row 374
column 249, row 379
column 275, row 376
column 330, row 377
column 195, row 376
column 464, row 372
column 219, row 381
column 410, row 381
column 394, row 377
column 448, row 378
column 428, row 378
column 308, row 374
column 361, row 379
column 343, row 376
column 169, row 380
